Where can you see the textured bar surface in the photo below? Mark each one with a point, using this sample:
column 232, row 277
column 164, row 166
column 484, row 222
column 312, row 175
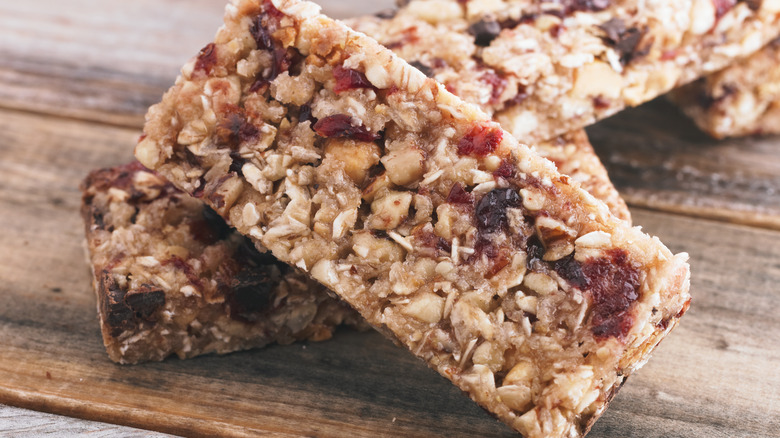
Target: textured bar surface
column 448, row 54
column 436, row 225
column 548, row 67
column 742, row 99
column 172, row 278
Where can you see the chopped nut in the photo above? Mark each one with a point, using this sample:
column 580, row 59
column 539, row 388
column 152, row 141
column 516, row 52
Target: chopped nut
column 380, row 183
column 250, row 215
column 427, row 307
column 375, row 250
column 556, row 237
column 434, row 11
column 597, row 79
column 540, row 283
column 390, row 210
column 404, row 166
column 515, row 396
column 490, row 355
column 357, row 156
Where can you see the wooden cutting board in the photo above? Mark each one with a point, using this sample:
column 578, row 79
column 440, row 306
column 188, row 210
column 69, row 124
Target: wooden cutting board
column 75, row 79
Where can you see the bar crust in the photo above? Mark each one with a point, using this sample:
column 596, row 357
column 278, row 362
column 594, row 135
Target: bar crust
column 441, row 229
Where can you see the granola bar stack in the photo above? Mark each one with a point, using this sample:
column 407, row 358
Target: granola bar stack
column 301, row 175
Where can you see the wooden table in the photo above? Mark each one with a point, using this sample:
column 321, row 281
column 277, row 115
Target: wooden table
column 75, row 80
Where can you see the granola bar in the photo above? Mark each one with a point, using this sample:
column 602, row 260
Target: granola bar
column 545, row 67
column 742, row 99
column 442, row 230
column 172, row 278
column 572, row 154
column 447, row 55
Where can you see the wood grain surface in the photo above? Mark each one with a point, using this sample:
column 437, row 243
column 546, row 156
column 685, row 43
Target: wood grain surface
column 75, row 79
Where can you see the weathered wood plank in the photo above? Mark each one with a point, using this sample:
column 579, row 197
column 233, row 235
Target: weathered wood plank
column 658, row 159
column 108, row 60
column 715, row 376
column 111, row 63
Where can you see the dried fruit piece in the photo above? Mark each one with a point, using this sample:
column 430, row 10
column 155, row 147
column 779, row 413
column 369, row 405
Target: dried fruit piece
column 340, row 126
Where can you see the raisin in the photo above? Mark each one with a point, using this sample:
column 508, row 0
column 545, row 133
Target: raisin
column 624, row 41
column 207, row 59
column 458, row 195
column 261, row 35
column 754, row 5
column 426, row 70
column 249, row 295
column 235, row 129
column 237, row 163
column 483, row 139
column 491, row 211
column 386, row 14
column 209, row 228
column 340, row 126
column 119, row 317
column 304, row 114
column 145, row 301
column 485, row 31
column 349, row 79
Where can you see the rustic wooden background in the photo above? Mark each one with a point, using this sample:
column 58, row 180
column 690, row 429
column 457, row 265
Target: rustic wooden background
column 75, row 80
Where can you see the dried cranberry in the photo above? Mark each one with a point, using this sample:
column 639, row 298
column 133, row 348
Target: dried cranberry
column 427, row 240
column 613, row 283
column 340, row 125
column 349, row 79
column 497, row 257
column 207, row 59
column 483, row 139
column 491, row 211
column 505, row 170
column 496, row 82
column 601, row 102
column 182, row 266
column 459, row 196
column 723, row 6
column 485, row 31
